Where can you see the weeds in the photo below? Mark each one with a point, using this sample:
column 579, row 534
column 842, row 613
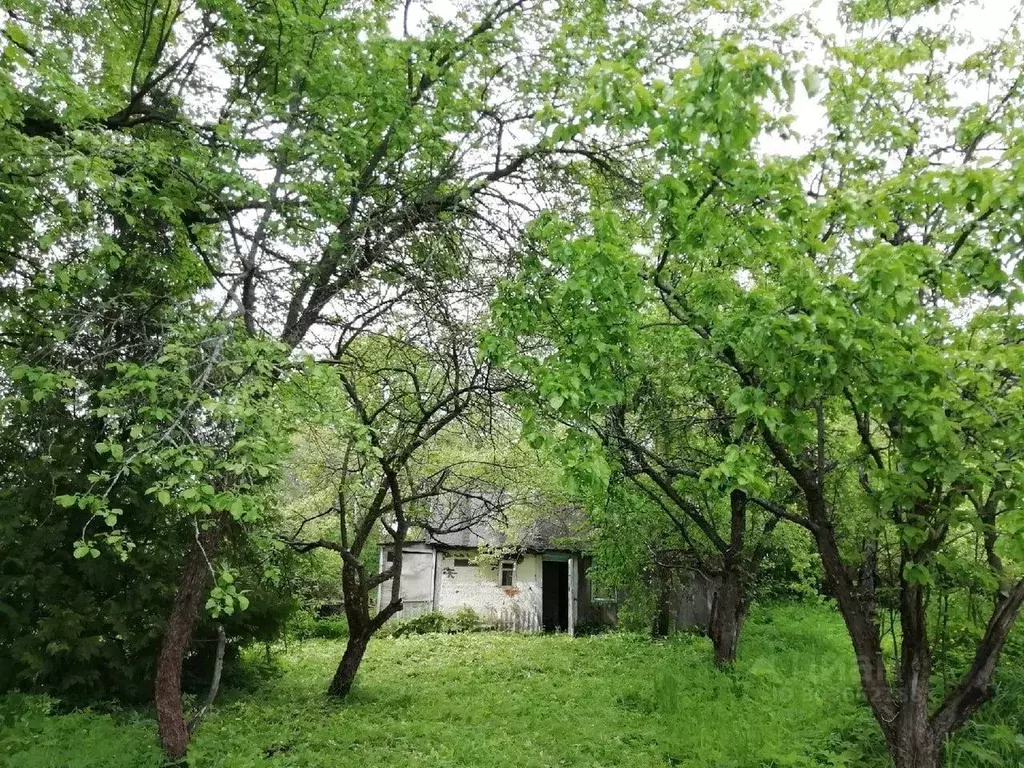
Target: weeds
column 504, row 700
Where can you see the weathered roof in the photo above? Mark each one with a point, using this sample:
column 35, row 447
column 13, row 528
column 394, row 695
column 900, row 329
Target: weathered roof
column 484, row 521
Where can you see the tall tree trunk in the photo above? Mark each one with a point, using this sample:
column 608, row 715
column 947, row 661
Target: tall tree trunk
column 195, row 576
column 355, row 649
column 728, row 610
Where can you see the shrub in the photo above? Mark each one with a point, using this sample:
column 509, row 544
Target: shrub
column 330, row 627
column 463, row 620
column 423, row 624
column 589, row 628
column 305, row 625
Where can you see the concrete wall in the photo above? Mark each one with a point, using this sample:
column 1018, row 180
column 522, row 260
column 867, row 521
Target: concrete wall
column 417, row 580
column 477, row 586
column 432, row 582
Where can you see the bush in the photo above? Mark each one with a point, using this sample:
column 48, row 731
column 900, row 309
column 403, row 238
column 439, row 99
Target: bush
column 590, row 628
column 463, row 620
column 424, row 624
column 305, row 625
column 330, row 628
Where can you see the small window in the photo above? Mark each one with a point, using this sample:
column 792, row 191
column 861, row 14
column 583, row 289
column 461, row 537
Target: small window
column 602, row 594
column 507, row 570
column 462, row 562
column 390, row 556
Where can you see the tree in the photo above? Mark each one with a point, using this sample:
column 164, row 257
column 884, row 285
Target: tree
column 295, row 155
column 389, row 453
column 856, row 305
column 107, row 358
column 609, row 390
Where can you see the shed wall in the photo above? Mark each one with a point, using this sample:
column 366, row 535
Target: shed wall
column 417, row 581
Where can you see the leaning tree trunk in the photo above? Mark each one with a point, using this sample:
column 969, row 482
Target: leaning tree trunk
column 341, row 683
column 195, row 575
column 357, row 612
column 728, row 610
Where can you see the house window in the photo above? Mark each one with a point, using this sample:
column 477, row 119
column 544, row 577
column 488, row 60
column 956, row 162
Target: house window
column 599, row 593
column 507, row 570
column 462, row 562
column 390, row 556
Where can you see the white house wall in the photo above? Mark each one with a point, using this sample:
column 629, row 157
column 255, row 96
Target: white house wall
column 432, row 582
column 477, row 586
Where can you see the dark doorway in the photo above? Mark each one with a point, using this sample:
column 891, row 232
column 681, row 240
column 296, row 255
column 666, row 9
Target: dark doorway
column 556, row 596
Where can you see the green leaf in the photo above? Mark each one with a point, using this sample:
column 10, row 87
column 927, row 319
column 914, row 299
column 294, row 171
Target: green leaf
column 17, row 34
column 917, row 573
column 812, row 80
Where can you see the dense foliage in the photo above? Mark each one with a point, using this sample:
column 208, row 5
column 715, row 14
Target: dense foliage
column 284, row 282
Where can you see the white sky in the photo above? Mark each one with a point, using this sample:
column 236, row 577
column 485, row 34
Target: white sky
column 984, row 20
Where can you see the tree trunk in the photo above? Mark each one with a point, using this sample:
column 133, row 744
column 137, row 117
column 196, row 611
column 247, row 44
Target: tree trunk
column 170, row 714
column 730, row 606
column 341, row 683
column 360, row 628
column 916, row 746
column 913, row 742
column 218, row 669
column 727, row 614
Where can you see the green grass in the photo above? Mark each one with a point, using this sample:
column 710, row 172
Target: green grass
column 512, row 700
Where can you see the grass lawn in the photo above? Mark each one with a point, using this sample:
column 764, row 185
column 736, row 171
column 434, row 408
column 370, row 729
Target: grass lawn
column 513, row 700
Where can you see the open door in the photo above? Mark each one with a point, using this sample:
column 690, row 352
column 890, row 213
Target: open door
column 574, row 583
column 555, row 595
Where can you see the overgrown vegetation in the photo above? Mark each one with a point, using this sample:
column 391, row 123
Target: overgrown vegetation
column 509, row 700
column 463, row 620
column 288, row 285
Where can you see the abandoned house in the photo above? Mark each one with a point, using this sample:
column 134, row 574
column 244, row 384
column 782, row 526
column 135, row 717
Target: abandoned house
column 535, row 580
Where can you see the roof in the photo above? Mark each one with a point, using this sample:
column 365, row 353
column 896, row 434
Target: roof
column 480, row 521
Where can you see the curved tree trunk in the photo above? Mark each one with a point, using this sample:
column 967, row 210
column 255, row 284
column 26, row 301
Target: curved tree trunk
column 195, row 575
column 341, row 683
column 360, row 629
